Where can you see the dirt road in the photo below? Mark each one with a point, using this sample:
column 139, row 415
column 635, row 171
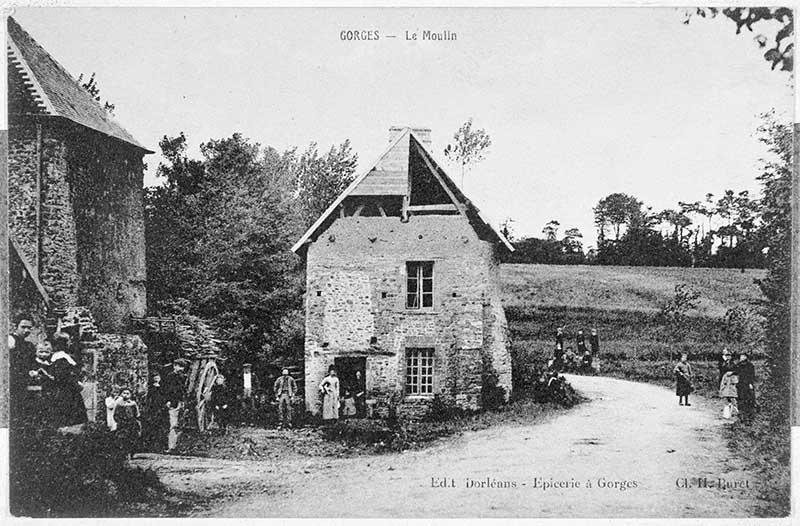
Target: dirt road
column 632, row 442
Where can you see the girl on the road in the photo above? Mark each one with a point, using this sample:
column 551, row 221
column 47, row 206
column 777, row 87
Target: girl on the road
column 727, row 384
column 683, row 380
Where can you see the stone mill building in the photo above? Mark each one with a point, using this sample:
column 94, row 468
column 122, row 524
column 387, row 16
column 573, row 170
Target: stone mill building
column 402, row 285
column 75, row 217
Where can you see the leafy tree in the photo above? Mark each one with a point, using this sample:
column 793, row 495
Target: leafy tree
column 321, row 178
column 468, row 147
column 676, row 310
column 771, row 438
column 776, row 183
column 550, row 230
column 572, row 241
column 94, row 90
column 726, row 209
column 678, row 220
column 617, row 210
column 779, row 52
column 173, row 219
column 747, row 211
column 219, row 232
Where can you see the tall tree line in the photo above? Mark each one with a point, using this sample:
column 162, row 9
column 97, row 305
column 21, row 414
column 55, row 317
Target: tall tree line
column 716, row 232
column 219, row 231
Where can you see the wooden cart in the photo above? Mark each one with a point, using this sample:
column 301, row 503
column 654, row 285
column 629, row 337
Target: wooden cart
column 171, row 338
column 202, row 374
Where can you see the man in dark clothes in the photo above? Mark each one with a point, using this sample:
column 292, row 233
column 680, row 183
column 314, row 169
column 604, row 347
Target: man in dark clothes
column 745, row 389
column 174, row 393
column 21, row 353
column 156, row 418
column 580, row 341
column 558, row 353
column 222, row 400
column 284, row 388
column 594, row 342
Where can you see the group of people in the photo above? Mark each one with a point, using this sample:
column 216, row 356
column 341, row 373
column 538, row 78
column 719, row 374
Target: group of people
column 155, row 426
column 45, row 380
column 736, row 384
column 334, row 406
column 567, row 359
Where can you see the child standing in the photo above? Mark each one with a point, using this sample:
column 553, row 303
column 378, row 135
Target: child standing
column 683, row 380
column 349, row 409
column 127, row 417
column 111, row 402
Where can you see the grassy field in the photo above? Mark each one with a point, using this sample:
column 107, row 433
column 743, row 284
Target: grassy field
column 641, row 289
column 623, row 304
column 636, row 343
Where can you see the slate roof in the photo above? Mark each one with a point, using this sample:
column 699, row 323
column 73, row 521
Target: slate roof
column 395, row 160
column 55, row 91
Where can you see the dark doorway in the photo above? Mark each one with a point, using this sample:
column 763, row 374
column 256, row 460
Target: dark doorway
column 352, row 372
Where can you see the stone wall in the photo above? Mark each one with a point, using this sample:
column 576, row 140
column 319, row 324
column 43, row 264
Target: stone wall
column 76, row 211
column 23, row 184
column 58, row 255
column 355, row 306
column 109, row 220
column 496, row 342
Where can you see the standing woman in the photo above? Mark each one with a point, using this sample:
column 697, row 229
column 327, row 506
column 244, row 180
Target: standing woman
column 683, row 379
column 68, row 407
column 746, row 388
column 727, row 384
column 156, row 418
column 330, row 396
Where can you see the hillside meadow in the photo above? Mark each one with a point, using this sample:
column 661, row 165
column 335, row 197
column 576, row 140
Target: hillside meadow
column 624, row 305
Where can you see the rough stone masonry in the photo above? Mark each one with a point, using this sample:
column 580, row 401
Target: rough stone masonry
column 356, row 303
column 76, row 217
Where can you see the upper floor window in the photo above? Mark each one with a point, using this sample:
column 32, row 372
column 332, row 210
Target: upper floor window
column 419, row 285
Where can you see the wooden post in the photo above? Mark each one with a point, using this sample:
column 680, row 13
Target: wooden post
column 247, row 372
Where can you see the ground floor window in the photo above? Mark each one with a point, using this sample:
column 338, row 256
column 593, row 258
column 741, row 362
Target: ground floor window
column 419, row 371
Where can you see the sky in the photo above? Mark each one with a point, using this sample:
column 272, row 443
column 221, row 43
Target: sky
column 579, row 102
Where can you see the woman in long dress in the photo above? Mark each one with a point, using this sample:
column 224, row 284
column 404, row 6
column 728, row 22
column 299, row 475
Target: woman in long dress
column 683, row 379
column 68, row 407
column 727, row 384
column 330, row 396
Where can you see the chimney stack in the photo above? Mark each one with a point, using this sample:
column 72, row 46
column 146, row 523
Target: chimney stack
column 423, row 135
